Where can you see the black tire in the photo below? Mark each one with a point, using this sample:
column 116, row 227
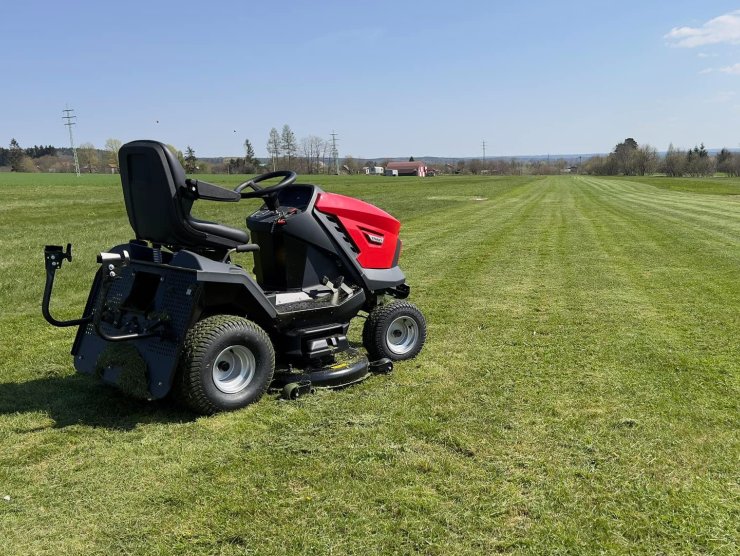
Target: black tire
column 408, row 326
column 227, row 363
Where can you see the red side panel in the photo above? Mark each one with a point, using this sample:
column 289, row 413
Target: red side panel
column 374, row 231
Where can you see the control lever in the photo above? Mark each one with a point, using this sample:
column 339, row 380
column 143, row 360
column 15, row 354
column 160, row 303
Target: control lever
column 243, row 248
column 118, row 259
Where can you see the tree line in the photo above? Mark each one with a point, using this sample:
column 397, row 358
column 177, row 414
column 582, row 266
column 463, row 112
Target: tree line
column 310, row 155
column 40, row 158
column 307, row 156
column 19, row 159
column 630, row 159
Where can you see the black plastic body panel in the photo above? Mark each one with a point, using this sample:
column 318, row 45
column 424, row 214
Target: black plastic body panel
column 180, row 290
column 142, row 293
column 299, row 245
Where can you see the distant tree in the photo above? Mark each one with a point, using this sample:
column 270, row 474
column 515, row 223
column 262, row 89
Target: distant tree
column 732, row 165
column 475, row 166
column 251, row 164
column 698, row 162
column 623, row 154
column 645, row 160
column 273, row 147
column 27, row 165
column 411, row 159
column 702, row 164
column 351, row 164
column 324, row 145
column 191, row 162
column 288, row 144
column 591, row 165
column 49, row 163
column 674, row 162
column 112, row 146
column 15, row 156
column 248, row 150
column 88, row 156
column 723, row 156
column 313, row 149
column 37, row 151
column 725, row 161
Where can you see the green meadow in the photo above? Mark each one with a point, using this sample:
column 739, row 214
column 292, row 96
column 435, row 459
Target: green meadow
column 579, row 392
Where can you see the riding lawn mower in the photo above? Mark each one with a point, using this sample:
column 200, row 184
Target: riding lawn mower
column 170, row 311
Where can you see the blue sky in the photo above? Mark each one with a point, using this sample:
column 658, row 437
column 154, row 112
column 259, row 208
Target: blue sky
column 391, row 78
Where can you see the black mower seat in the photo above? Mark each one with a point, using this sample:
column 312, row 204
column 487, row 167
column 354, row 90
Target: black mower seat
column 158, row 201
column 215, row 229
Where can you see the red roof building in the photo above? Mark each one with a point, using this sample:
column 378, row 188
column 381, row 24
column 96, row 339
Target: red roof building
column 416, row 168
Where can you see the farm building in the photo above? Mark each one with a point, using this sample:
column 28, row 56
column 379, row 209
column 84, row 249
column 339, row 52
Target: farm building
column 415, row 168
column 373, row 170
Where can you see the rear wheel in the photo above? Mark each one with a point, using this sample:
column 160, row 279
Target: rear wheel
column 396, row 330
column 227, row 363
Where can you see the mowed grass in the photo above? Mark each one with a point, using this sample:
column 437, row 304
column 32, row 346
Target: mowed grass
column 578, row 393
column 714, row 186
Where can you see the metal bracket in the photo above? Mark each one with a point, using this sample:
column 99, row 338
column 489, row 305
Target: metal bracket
column 54, row 256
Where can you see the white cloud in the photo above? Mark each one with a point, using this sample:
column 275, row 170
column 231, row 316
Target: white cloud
column 722, row 29
column 705, row 55
column 732, row 70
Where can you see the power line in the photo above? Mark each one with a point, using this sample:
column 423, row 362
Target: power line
column 68, row 116
column 335, row 152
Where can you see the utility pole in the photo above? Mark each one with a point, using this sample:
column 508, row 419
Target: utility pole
column 484, row 150
column 68, row 116
column 335, row 152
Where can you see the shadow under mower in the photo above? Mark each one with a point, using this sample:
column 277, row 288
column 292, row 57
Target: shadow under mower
column 170, row 311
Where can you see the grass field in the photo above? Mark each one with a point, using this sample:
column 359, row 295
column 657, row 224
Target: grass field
column 716, row 186
column 578, row 393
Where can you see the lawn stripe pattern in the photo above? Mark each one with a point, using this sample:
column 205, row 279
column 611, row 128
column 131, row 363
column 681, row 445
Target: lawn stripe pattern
column 578, row 392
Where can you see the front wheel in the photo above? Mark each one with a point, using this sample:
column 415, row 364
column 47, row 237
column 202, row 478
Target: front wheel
column 396, row 330
column 227, row 363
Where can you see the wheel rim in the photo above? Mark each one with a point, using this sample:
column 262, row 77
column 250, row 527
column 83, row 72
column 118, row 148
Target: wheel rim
column 402, row 335
column 234, row 369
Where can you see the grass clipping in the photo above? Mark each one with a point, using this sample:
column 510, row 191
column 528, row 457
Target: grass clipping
column 133, row 377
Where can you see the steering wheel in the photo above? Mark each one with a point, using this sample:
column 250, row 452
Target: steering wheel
column 288, row 178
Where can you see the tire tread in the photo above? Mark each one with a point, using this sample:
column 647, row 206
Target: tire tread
column 189, row 387
column 373, row 332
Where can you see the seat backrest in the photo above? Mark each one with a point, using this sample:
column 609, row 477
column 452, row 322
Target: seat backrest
column 154, row 191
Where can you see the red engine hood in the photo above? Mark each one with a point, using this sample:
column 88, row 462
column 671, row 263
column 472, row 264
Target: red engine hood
column 374, row 231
